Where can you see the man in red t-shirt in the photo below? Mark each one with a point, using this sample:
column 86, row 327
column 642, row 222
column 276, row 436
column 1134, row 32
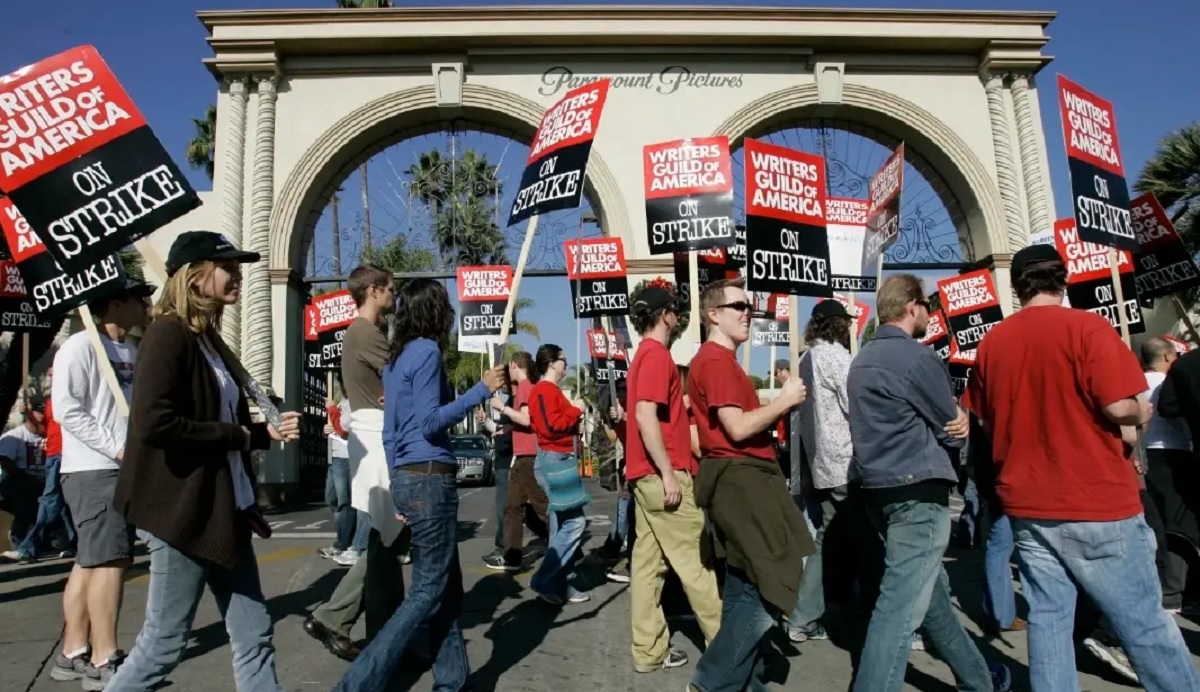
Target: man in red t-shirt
column 743, row 490
column 659, row 468
column 523, row 488
column 1054, row 387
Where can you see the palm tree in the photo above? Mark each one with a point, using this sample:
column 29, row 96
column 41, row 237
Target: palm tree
column 202, row 146
column 398, row 256
column 460, row 195
column 1173, row 176
column 336, row 231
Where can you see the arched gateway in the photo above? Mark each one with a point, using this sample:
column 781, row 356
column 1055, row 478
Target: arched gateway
column 307, row 95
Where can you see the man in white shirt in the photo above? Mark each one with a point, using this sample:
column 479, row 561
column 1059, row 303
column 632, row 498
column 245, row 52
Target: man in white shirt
column 93, row 432
column 1170, row 473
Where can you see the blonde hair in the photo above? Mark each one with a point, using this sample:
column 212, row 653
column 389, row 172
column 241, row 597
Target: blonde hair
column 182, row 298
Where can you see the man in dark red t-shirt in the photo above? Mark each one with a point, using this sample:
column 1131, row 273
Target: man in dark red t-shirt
column 1054, row 387
column 659, row 468
column 743, row 490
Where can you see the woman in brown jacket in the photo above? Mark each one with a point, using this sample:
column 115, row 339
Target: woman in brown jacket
column 186, row 481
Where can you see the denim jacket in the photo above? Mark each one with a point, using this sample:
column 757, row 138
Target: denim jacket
column 900, row 402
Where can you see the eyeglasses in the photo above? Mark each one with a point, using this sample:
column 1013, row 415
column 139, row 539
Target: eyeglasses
column 923, row 303
column 740, row 306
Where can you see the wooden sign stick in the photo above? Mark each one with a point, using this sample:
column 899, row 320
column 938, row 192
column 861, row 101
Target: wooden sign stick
column 793, row 336
column 1185, row 317
column 853, row 327
column 511, row 306
column 1119, row 295
column 694, row 295
column 24, row 362
column 106, row 368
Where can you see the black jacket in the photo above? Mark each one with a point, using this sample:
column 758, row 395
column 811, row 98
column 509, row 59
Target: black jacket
column 1179, row 396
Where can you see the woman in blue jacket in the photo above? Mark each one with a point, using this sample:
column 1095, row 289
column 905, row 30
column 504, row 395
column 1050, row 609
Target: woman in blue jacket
column 419, row 410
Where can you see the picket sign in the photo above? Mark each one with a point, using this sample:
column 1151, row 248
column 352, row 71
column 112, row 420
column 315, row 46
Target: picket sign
column 606, row 325
column 793, row 335
column 694, row 295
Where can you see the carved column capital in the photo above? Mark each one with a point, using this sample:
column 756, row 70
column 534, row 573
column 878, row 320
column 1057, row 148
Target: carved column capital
column 1006, row 169
column 1031, row 162
column 266, row 83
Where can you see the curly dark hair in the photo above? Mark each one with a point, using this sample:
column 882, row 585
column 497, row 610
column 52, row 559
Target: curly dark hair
column 422, row 310
column 835, row 330
column 1043, row 277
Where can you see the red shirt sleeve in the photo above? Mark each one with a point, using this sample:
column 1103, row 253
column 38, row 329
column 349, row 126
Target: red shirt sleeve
column 973, row 399
column 651, row 385
column 1111, row 371
column 521, row 398
column 335, row 419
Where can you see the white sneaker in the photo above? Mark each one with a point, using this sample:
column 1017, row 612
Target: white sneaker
column 347, row 558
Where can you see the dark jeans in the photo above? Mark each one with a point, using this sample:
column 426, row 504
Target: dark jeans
column 52, row 508
column 499, row 500
column 1172, row 480
column 733, row 660
column 337, row 496
column 430, row 504
column 821, row 507
column 19, row 493
column 999, row 599
column 915, row 591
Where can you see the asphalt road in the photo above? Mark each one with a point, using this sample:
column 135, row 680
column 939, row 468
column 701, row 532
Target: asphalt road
column 514, row 642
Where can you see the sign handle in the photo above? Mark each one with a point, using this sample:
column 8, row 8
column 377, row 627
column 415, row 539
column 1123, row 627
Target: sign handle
column 511, row 306
column 853, row 327
column 1185, row 317
column 793, row 335
column 606, row 326
column 106, row 369
column 694, row 295
column 1119, row 294
column 329, row 384
column 771, row 372
column 24, row 362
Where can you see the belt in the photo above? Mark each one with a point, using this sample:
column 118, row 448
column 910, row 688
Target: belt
column 432, row 468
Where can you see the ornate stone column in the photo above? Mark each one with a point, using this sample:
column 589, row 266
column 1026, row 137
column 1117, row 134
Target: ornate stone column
column 1006, row 169
column 232, row 192
column 256, row 341
column 1031, row 168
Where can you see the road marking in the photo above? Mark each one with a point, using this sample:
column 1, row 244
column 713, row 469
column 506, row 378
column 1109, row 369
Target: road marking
column 469, row 493
column 141, row 573
column 309, row 534
column 280, row 524
column 314, row 525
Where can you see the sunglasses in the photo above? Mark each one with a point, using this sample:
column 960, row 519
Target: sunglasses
column 740, row 306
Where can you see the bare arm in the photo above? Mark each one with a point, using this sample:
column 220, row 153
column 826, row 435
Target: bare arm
column 1130, row 412
column 519, row 417
column 741, row 425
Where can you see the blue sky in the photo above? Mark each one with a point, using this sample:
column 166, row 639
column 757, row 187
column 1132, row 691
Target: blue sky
column 1136, row 55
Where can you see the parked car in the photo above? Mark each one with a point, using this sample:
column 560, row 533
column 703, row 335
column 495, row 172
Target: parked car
column 474, row 459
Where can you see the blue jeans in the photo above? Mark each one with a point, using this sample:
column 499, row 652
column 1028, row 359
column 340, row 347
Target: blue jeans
column 337, row 496
column 915, row 591
column 176, row 585
column 818, row 512
column 619, row 533
column 556, row 575
column 1113, row 562
column 999, row 601
column 430, row 504
column 51, row 507
column 733, row 660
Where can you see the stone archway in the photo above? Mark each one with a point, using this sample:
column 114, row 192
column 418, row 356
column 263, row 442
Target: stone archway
column 374, row 126
column 931, row 143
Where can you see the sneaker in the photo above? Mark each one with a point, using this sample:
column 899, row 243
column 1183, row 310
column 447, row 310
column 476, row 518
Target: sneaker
column 1001, row 677
column 497, row 562
column 550, row 598
column 406, row 559
column 346, row 558
column 97, row 678
column 579, row 597
column 617, row 574
column 74, row 668
column 66, row 554
column 675, row 658
column 918, row 642
column 813, row 632
column 329, row 552
column 1103, row 648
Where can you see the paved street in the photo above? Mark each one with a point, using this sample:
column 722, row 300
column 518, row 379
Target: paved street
column 514, row 642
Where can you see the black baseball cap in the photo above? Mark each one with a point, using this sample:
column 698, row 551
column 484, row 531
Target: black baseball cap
column 1030, row 255
column 204, row 246
column 132, row 288
column 782, row 364
column 830, row 308
column 652, row 299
